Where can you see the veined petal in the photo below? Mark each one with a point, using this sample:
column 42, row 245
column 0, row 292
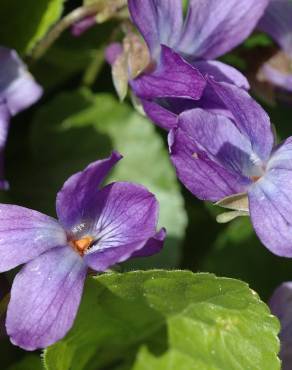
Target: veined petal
column 249, row 117
column 17, row 87
column 277, row 23
column 281, row 306
column 152, row 246
column 210, row 173
column 125, row 218
column 214, row 27
column 45, row 297
column 222, row 72
column 218, row 138
column 77, row 198
column 159, row 22
column 25, row 234
column 270, row 201
column 172, row 77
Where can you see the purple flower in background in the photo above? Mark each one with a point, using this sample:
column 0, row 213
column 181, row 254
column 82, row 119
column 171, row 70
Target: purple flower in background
column 168, row 79
column 18, row 90
column 96, row 229
column 232, row 161
column 82, row 26
column 277, row 22
column 281, row 306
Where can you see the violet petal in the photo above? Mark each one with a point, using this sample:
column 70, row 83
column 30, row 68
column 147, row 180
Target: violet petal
column 277, row 23
column 4, row 126
column 45, row 297
column 17, row 87
column 152, row 246
column 214, row 27
column 269, row 201
column 76, row 199
column 172, row 77
column 281, row 306
column 249, row 117
column 222, row 72
column 125, row 217
column 210, row 155
column 159, row 22
column 25, row 234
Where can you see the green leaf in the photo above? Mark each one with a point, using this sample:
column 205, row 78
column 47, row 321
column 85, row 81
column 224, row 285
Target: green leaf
column 23, row 23
column 168, row 320
column 78, row 128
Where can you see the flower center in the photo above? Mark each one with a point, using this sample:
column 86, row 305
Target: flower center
column 82, row 245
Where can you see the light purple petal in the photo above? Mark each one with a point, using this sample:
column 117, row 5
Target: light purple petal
column 77, row 198
column 277, row 23
column 82, row 26
column 281, row 306
column 113, row 51
column 17, row 87
column 250, row 118
column 45, row 297
column 172, row 77
column 270, row 201
column 276, row 77
column 210, row 155
column 214, row 27
column 222, row 72
column 159, row 22
column 4, row 127
column 153, row 245
column 25, row 234
column 126, row 216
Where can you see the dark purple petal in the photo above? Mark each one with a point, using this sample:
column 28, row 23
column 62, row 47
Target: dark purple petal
column 270, row 201
column 277, row 23
column 4, row 126
column 113, row 51
column 222, row 72
column 124, row 218
column 210, row 155
column 82, row 26
column 77, row 198
column 281, row 306
column 249, row 116
column 172, row 77
column 153, row 245
column 159, row 22
column 45, row 297
column 17, row 87
column 214, row 27
column 160, row 115
column 277, row 77
column 25, row 234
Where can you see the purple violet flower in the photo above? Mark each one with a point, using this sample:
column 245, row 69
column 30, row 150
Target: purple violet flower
column 96, row 229
column 169, row 79
column 18, row 91
column 82, row 26
column 232, row 161
column 281, row 306
column 277, row 22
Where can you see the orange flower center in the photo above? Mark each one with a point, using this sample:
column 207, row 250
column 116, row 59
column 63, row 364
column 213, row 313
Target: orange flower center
column 82, row 245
